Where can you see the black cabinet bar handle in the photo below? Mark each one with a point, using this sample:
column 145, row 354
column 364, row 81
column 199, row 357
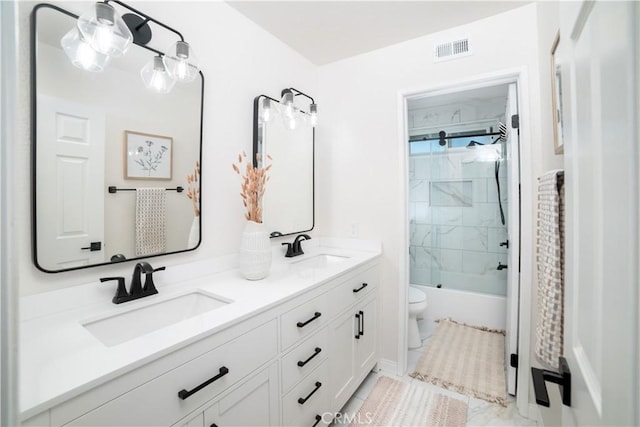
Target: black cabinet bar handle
column 183, row 394
column 361, row 323
column 315, row 316
column 315, row 353
column 318, row 418
column 364, row 285
column 358, row 319
column 301, row 400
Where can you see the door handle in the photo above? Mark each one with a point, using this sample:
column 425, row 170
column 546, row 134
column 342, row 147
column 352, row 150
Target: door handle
column 562, row 378
column 93, row 246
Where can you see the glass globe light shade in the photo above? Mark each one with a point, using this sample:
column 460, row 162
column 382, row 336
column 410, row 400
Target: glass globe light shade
column 182, row 62
column 313, row 115
column 81, row 54
column 106, row 32
column 155, row 76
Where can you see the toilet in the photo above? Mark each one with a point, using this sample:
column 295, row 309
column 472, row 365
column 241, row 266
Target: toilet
column 417, row 306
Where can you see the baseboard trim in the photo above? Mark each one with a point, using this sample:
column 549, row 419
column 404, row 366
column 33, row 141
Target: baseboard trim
column 387, row 366
column 534, row 414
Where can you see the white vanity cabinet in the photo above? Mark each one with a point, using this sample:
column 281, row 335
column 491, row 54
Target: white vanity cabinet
column 293, row 364
column 354, row 335
column 169, row 397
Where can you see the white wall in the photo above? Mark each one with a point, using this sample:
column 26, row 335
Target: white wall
column 239, row 61
column 360, row 155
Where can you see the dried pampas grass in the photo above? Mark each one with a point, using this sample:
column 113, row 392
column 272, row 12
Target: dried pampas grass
column 193, row 188
column 254, row 181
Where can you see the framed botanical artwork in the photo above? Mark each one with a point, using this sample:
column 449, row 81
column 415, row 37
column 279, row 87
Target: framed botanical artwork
column 147, row 156
column 556, row 97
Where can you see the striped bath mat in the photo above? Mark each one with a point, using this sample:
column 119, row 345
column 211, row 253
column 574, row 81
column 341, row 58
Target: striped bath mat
column 466, row 359
column 398, row 403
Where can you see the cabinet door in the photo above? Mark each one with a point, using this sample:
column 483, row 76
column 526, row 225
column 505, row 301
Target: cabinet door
column 254, row 403
column 342, row 367
column 196, row 421
column 366, row 345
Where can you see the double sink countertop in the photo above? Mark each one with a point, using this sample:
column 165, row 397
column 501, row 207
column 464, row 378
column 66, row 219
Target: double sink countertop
column 61, row 355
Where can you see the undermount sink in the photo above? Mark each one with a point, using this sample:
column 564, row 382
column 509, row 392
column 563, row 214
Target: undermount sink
column 320, row 261
column 122, row 327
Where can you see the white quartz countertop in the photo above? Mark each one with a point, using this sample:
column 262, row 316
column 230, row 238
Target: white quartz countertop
column 60, row 358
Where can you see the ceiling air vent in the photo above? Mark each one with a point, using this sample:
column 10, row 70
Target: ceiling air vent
column 451, row 49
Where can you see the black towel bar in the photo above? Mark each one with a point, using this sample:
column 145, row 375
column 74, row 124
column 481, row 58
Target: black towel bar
column 113, row 189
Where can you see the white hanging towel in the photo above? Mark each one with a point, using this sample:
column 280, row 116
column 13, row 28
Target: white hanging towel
column 151, row 214
column 550, row 261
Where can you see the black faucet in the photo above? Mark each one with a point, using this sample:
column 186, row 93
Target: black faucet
column 295, row 249
column 501, row 266
column 136, row 290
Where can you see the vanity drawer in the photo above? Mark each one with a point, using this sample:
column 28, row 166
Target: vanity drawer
column 310, row 353
column 353, row 290
column 157, row 402
column 303, row 320
column 313, row 392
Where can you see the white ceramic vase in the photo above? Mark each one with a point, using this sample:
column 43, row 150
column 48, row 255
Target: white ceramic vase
column 194, row 233
column 255, row 251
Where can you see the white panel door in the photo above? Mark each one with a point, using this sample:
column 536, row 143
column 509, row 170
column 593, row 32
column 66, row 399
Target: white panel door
column 70, row 183
column 513, row 233
column 601, row 178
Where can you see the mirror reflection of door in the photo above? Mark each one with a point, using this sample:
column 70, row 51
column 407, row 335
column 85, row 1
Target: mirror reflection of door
column 70, row 179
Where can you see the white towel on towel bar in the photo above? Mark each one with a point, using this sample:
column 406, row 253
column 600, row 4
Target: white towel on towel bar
column 550, row 262
column 151, row 213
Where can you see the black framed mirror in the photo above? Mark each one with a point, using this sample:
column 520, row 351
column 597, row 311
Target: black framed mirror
column 115, row 166
column 289, row 200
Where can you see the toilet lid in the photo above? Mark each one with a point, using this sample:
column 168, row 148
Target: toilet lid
column 416, row 295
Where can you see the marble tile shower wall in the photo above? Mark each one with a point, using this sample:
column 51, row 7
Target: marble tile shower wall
column 455, row 225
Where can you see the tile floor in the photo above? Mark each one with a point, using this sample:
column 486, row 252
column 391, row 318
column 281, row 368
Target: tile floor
column 479, row 413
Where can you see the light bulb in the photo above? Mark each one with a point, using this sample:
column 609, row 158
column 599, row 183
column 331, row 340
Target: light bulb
column 103, row 28
column 266, row 110
column 291, row 123
column 81, row 54
column 313, row 114
column 155, row 76
column 287, row 103
column 181, row 62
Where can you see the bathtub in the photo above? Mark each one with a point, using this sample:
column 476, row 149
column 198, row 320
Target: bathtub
column 462, row 306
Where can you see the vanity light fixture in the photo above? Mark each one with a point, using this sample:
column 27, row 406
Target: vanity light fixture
column 266, row 113
column 313, row 114
column 181, row 62
column 81, row 54
column 287, row 103
column 103, row 34
column 106, row 32
column 156, row 77
column 288, row 96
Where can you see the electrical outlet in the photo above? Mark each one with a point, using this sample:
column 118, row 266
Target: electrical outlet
column 355, row 229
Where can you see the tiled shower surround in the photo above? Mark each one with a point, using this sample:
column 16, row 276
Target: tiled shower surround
column 455, row 223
